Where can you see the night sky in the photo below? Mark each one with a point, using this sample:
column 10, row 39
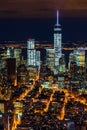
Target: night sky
column 21, row 19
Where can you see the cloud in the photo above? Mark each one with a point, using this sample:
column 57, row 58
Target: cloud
column 42, row 8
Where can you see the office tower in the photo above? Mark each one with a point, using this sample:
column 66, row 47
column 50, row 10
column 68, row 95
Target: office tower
column 71, row 59
column 73, row 67
column 38, row 61
column 80, row 56
column 5, row 53
column 8, row 53
column 11, row 70
column 31, row 44
column 31, row 53
column 62, row 65
column 50, row 58
column 17, row 55
column 22, row 75
column 32, row 72
column 57, row 44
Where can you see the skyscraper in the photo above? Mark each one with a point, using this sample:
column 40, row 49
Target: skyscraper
column 38, row 63
column 31, row 53
column 11, row 70
column 17, row 55
column 8, row 53
column 50, row 58
column 57, row 44
column 80, row 56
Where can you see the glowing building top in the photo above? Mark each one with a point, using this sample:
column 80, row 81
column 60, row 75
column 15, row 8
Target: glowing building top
column 57, row 17
column 57, row 41
column 31, row 43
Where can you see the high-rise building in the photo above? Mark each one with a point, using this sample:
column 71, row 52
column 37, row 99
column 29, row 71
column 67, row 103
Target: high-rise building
column 80, row 56
column 31, row 44
column 17, row 55
column 57, row 43
column 22, row 75
column 38, row 61
column 50, row 58
column 32, row 72
column 8, row 53
column 11, row 70
column 71, row 59
column 31, row 53
column 62, row 65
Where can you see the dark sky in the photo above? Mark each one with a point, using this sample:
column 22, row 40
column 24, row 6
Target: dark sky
column 73, row 29
column 20, row 19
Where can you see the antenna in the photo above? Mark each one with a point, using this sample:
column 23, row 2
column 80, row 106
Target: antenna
column 57, row 17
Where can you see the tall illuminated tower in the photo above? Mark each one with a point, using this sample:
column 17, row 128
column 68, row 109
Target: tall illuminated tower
column 31, row 53
column 57, row 43
column 8, row 53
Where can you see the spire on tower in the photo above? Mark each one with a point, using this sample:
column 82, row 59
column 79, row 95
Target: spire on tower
column 57, row 17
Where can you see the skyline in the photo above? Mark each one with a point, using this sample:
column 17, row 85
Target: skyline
column 43, row 86
column 43, row 64
column 34, row 94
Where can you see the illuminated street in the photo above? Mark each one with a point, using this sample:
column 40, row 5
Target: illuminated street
column 47, row 102
column 17, row 120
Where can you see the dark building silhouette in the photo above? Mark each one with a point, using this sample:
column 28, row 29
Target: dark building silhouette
column 11, row 70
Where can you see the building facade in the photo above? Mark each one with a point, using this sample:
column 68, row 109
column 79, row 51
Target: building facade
column 57, row 44
column 31, row 52
column 50, row 58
